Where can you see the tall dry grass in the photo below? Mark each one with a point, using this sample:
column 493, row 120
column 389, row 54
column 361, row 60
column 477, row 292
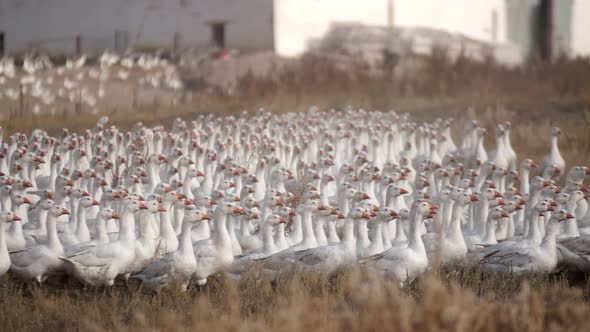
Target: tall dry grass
column 454, row 299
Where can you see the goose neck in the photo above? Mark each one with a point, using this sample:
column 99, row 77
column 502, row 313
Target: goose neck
column 267, row 239
column 146, row 231
column 220, row 226
column 52, row 237
column 186, row 243
column 81, row 226
column 348, row 238
column 127, row 227
column 490, row 232
column 308, row 234
column 101, row 230
column 415, row 239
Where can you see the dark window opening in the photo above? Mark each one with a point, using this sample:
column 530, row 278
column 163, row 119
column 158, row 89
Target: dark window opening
column 544, row 30
column 2, row 44
column 218, row 34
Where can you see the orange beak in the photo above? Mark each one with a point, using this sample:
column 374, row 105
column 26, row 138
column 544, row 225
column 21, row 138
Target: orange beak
column 114, row 215
column 15, row 218
column 95, row 202
column 161, row 208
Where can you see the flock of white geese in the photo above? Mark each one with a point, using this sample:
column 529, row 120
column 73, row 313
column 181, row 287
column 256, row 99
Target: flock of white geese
column 314, row 190
column 48, row 86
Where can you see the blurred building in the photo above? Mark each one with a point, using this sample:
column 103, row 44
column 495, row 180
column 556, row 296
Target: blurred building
column 512, row 30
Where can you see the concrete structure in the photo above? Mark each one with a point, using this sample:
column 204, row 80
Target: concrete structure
column 54, row 24
column 289, row 27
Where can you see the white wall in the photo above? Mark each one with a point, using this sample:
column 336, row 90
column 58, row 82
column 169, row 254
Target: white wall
column 152, row 21
column 581, row 28
column 300, row 22
column 469, row 17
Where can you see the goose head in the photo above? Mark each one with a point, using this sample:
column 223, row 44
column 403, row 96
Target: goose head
column 511, row 192
column 538, row 183
column 576, row 196
column 20, row 184
column 424, row 209
column 544, row 206
column 57, row 211
column 205, row 201
column 512, row 206
column 172, row 196
column 562, row 198
column 578, row 173
column 490, row 194
column 551, row 172
column 7, row 217
column 550, row 191
column 45, row 204
column 275, row 219
column 196, row 215
column 107, row 214
column 466, row 198
column 87, row 202
column 286, row 211
column 153, row 206
column 466, row 184
column 385, row 214
column 230, row 208
column 162, row 188
column 497, row 213
column 133, row 205
column 310, row 205
column 79, row 192
column 250, row 203
column 396, row 191
column 20, row 199
column 358, row 213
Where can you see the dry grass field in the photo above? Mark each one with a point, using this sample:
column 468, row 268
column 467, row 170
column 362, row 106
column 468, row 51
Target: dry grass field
column 534, row 98
column 454, row 299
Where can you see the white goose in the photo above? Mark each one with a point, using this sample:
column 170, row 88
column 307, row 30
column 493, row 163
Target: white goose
column 406, row 262
column 541, row 258
column 553, row 158
column 39, row 262
column 100, row 264
column 5, row 218
column 329, row 258
column 177, row 266
column 215, row 254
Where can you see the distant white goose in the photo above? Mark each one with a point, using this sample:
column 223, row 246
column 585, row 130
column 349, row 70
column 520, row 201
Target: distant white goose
column 553, row 158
